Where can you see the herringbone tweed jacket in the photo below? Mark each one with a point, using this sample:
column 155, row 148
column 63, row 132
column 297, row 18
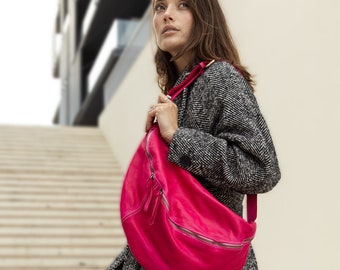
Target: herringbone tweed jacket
column 223, row 140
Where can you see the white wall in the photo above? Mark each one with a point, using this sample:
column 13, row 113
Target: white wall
column 292, row 48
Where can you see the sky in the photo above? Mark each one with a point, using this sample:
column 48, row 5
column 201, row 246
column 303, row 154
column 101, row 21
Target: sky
column 29, row 95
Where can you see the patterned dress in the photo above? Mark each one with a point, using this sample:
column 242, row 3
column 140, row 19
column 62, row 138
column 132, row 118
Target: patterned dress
column 223, row 140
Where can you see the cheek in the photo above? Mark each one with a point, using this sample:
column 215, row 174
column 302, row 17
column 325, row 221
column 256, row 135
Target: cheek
column 191, row 22
column 155, row 27
column 155, row 24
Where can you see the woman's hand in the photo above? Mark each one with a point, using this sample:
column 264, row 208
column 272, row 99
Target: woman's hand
column 166, row 113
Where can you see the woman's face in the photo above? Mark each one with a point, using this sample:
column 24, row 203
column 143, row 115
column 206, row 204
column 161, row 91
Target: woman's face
column 172, row 23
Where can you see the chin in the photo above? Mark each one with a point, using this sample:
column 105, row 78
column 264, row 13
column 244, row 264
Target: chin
column 169, row 48
column 170, row 43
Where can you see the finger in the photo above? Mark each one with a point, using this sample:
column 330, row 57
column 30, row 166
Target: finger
column 152, row 108
column 164, row 98
column 150, row 118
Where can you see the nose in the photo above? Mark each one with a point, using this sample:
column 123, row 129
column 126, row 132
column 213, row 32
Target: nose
column 168, row 14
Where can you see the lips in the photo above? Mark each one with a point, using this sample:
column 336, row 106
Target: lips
column 169, row 28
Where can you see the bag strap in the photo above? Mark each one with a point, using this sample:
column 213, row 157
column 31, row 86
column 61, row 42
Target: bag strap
column 174, row 92
column 194, row 74
column 251, row 207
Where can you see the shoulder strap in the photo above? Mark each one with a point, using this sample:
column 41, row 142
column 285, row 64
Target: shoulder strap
column 174, row 92
column 194, row 74
column 251, row 207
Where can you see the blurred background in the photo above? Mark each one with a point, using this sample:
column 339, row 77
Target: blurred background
column 28, row 92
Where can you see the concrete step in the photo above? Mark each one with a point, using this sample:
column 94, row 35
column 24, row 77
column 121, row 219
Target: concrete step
column 101, row 162
column 37, row 252
column 62, row 241
column 57, row 222
column 60, row 231
column 114, row 179
column 56, row 153
column 51, row 183
column 9, row 131
column 47, row 262
column 57, row 190
column 46, row 198
column 51, row 169
column 62, row 213
column 59, row 199
column 75, row 206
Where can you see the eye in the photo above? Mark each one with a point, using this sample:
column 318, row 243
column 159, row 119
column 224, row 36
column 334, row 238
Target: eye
column 159, row 7
column 184, row 5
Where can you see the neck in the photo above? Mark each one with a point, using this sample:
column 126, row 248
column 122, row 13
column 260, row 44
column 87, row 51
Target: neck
column 182, row 62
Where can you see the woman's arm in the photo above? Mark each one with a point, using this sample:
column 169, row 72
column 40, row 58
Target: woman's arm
column 227, row 141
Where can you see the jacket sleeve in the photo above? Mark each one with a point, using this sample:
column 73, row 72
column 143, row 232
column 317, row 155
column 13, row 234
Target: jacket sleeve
column 236, row 151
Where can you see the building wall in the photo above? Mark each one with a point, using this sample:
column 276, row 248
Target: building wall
column 123, row 120
column 292, row 49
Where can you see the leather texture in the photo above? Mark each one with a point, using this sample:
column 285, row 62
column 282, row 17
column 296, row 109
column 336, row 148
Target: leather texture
column 171, row 221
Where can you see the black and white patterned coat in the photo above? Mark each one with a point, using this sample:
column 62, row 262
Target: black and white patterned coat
column 223, row 140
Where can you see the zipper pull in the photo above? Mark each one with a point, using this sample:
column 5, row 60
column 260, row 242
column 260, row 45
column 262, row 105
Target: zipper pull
column 155, row 208
column 149, row 189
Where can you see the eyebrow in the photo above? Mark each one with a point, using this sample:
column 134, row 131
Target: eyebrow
column 157, row 1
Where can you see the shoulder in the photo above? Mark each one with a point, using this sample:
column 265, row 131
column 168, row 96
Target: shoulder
column 223, row 78
column 224, row 84
column 221, row 67
column 225, row 72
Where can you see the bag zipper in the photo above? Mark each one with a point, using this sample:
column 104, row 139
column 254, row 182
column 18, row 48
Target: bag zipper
column 199, row 236
column 147, row 199
column 152, row 169
column 148, row 154
column 152, row 178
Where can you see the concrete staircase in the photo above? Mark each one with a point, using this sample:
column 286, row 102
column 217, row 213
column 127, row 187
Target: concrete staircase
column 59, row 199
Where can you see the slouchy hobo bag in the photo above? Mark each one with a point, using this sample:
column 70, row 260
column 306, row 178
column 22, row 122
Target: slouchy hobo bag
column 171, row 221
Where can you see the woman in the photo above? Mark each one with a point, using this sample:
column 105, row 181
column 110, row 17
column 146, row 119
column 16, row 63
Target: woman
column 214, row 128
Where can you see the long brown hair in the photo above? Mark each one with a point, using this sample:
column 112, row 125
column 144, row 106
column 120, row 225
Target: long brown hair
column 210, row 39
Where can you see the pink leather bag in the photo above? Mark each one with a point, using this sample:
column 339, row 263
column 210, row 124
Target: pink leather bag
column 171, row 221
